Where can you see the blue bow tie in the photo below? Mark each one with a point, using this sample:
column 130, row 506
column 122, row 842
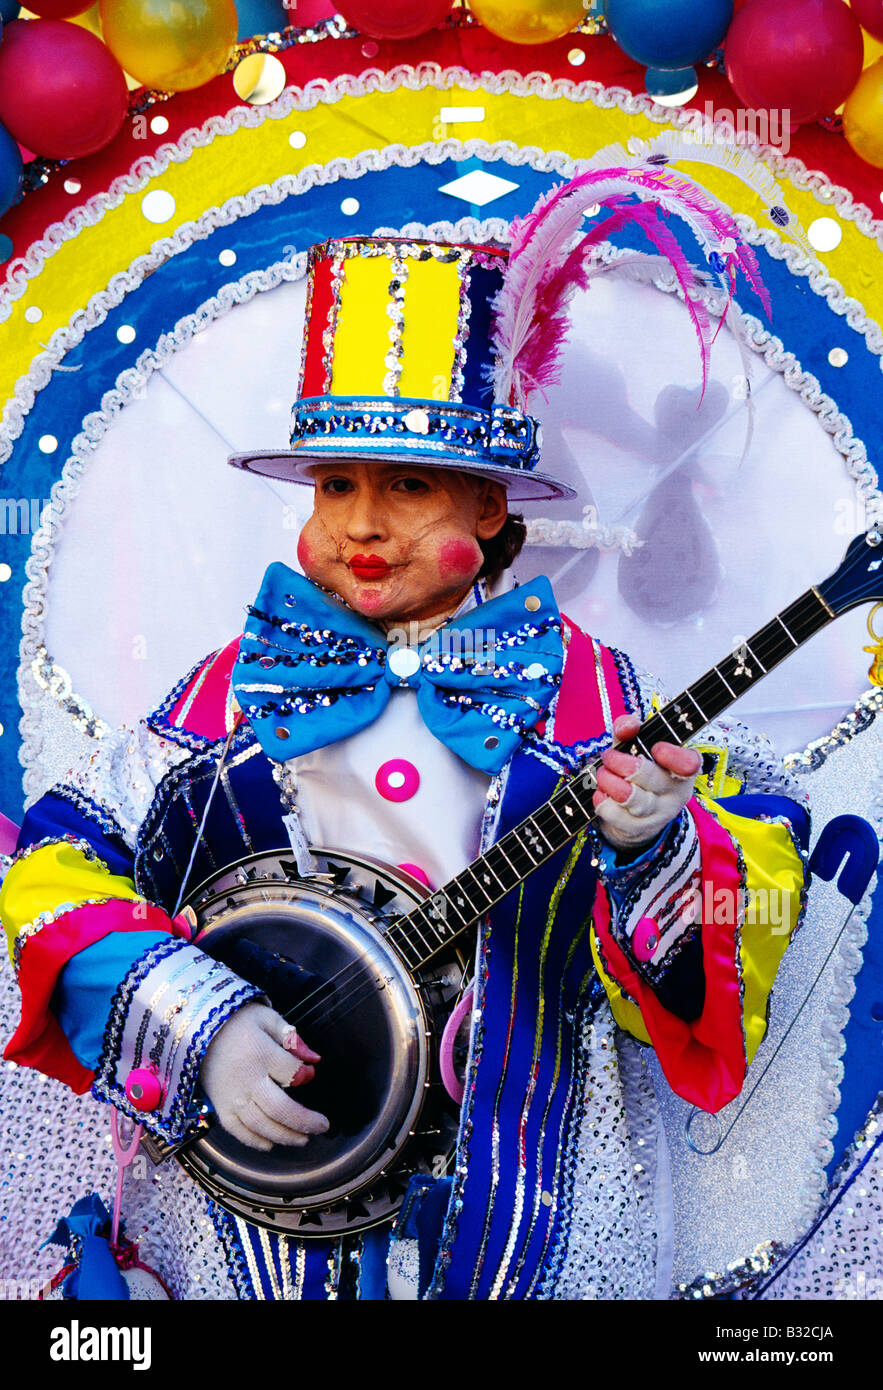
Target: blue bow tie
column 311, row 671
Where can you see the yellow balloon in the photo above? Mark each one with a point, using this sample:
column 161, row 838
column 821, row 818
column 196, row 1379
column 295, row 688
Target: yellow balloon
column 529, row 21
column 91, row 20
column 863, row 115
column 873, row 49
column 170, row 44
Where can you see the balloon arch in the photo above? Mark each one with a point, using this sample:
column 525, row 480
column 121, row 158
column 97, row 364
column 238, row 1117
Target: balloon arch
column 150, row 317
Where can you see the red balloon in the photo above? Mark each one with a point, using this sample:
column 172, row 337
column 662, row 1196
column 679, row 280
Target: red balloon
column 394, row 19
column 62, row 92
column 869, row 14
column 801, row 57
column 58, row 9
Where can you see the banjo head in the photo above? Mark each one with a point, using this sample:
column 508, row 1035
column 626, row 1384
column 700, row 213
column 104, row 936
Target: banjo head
column 315, row 946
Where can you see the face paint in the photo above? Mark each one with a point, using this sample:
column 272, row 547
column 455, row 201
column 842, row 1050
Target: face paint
column 304, row 551
column 395, row 542
column 458, row 558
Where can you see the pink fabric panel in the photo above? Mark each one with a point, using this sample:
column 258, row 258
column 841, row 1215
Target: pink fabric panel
column 207, row 713
column 704, row 1061
column 8, row 835
column 579, row 713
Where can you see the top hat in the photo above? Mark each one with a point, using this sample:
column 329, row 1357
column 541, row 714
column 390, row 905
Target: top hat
column 397, row 364
column 429, row 352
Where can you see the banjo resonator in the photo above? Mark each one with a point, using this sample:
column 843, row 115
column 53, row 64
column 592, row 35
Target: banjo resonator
column 316, row 945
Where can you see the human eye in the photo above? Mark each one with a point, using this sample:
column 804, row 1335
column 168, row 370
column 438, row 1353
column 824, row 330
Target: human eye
column 335, row 487
column 410, row 483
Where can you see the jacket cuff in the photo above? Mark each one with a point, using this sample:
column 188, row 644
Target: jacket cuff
column 664, row 884
column 163, row 1017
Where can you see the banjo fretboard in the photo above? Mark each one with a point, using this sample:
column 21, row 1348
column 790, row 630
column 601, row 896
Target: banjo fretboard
column 467, row 897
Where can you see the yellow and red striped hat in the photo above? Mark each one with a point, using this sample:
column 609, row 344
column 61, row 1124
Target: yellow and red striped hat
column 397, row 363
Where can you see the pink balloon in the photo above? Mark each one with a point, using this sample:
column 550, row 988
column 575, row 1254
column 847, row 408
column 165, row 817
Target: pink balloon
column 395, row 19
column 58, row 9
column 869, row 14
column 802, row 57
column 62, row 92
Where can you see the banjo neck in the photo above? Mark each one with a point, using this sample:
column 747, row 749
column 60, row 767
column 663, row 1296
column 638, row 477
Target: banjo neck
column 460, row 903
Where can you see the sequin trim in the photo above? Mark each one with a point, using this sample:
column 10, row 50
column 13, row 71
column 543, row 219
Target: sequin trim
column 84, row 846
column 46, row 919
column 180, row 1110
column 92, row 810
column 234, row 1254
column 395, row 310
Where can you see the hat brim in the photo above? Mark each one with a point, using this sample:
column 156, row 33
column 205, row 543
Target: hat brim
column 294, row 466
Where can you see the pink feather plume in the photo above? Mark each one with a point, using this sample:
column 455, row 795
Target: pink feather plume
column 531, row 311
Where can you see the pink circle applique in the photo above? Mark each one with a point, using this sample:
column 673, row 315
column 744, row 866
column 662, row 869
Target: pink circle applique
column 645, row 938
column 143, row 1089
column 397, row 780
column 416, row 872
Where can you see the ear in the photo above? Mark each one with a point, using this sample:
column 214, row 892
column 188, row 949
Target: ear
column 493, row 510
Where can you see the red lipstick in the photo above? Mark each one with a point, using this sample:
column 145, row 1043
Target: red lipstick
column 369, row 566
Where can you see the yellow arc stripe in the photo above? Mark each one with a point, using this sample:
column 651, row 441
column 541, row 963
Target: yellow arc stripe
column 213, row 173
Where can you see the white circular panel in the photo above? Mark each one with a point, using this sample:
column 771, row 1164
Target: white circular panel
column 164, row 546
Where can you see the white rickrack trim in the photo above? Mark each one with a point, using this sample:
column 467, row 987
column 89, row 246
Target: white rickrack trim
column 425, row 75
column 129, row 385
column 133, row 380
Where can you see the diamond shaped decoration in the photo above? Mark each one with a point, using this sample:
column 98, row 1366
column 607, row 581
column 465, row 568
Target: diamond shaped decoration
column 478, row 187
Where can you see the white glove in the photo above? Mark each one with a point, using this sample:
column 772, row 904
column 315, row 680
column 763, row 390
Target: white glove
column 247, row 1063
column 636, row 798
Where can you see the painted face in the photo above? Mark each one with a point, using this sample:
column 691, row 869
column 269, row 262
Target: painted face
column 398, row 542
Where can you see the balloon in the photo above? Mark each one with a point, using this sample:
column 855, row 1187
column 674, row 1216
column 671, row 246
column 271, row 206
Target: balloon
column 264, row 17
column 529, row 21
column 863, row 116
column 89, row 19
column 668, row 33
column 394, row 19
column 11, row 171
column 57, row 9
column 802, row 57
column 170, row 44
column 61, row 92
column 671, row 86
column 869, row 14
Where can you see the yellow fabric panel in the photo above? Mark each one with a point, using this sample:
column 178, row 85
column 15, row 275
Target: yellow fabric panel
column 625, row 1013
column 774, row 878
column 362, row 338
column 233, row 164
column 718, row 782
column 51, row 877
column 432, row 308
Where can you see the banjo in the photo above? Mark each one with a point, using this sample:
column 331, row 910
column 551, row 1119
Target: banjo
column 367, row 963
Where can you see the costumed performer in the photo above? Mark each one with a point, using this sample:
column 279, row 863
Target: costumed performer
column 351, row 712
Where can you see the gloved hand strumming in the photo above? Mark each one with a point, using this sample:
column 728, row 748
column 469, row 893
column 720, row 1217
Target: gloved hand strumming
column 248, row 1062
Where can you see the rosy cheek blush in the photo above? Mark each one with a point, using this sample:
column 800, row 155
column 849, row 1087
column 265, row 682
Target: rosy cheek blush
column 305, row 552
column 458, row 558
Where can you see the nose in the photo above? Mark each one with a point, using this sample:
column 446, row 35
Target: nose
column 366, row 520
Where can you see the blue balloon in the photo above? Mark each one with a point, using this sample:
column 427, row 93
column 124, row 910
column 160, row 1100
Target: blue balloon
column 669, row 33
column 259, row 17
column 665, row 83
column 11, row 171
column 9, row 10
